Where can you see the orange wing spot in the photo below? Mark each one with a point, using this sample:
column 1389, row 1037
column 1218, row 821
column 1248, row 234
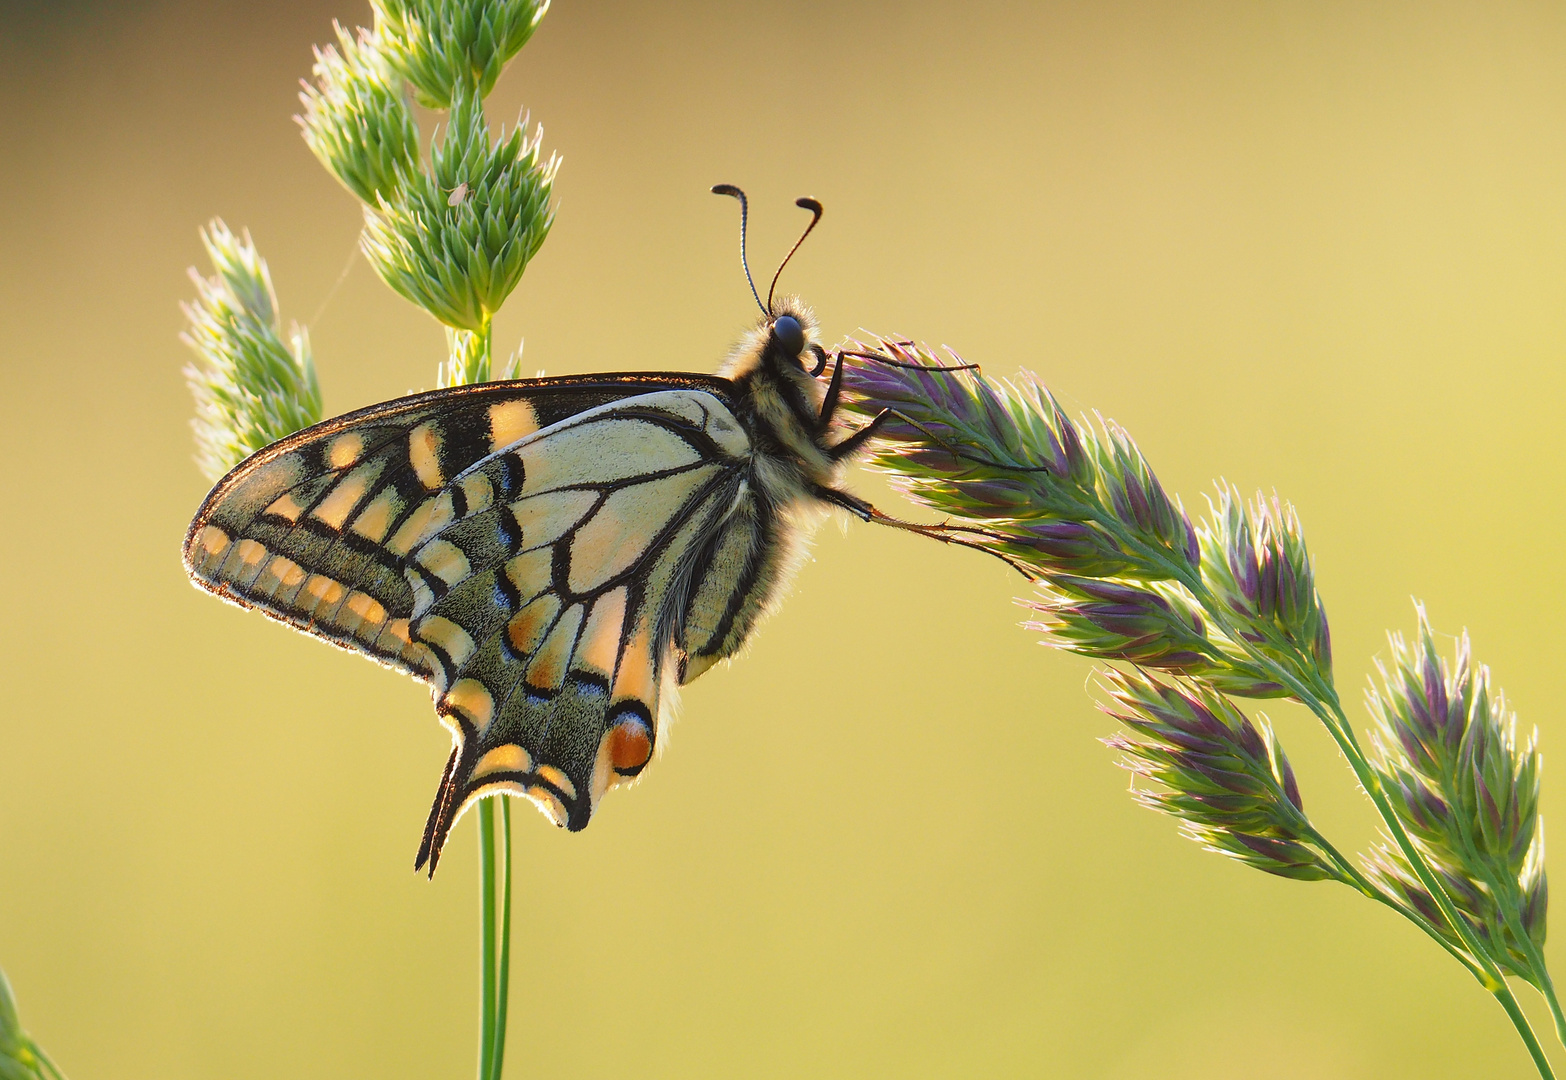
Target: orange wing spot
column 601, row 637
column 213, row 540
column 424, row 453
column 557, row 778
column 250, row 552
column 397, row 630
column 634, row 678
column 629, row 745
column 432, row 515
column 528, row 626
column 510, row 421
column 445, row 560
column 546, row 801
column 375, row 519
column 508, row 758
column 473, row 700
column 451, row 638
column 548, row 667
column 286, row 508
column 344, row 450
column 335, row 508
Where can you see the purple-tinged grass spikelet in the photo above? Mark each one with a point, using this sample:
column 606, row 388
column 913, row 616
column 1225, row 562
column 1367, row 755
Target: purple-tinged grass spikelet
column 1255, row 564
column 1054, row 495
column 1466, row 788
column 1126, row 621
column 1222, row 774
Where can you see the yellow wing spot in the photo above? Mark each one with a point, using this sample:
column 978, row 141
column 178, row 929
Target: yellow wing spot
column 375, row 519
column 286, row 508
column 368, row 608
column 250, row 552
column 552, row 807
column 424, row 453
column 335, row 508
column 283, row 571
column 344, row 450
column 510, row 421
column 634, row 678
column 213, row 541
column 601, row 637
column 531, row 572
column 432, row 515
column 445, row 560
column 473, row 700
column 478, row 491
column 451, row 638
column 548, row 667
column 527, row 627
column 324, row 589
column 508, row 758
column 557, row 778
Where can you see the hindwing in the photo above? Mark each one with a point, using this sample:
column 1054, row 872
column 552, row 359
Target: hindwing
column 534, row 550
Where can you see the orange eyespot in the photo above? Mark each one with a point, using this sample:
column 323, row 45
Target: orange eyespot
column 629, row 746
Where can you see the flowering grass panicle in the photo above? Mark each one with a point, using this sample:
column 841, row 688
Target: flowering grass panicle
column 1222, row 774
column 1467, row 787
column 251, row 388
column 1255, row 564
column 356, row 118
column 442, row 45
column 455, row 240
column 1232, row 609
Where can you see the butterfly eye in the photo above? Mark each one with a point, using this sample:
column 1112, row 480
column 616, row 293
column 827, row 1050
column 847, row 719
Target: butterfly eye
column 789, row 334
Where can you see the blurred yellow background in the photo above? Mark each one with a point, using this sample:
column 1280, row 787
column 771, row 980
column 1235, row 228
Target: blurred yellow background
column 1318, row 247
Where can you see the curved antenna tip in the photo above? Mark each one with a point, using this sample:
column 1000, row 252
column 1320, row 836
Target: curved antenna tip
column 804, row 203
column 730, row 189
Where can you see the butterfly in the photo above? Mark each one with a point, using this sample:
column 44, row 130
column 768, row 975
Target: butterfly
column 554, row 556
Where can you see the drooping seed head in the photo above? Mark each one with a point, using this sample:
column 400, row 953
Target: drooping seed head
column 1222, row 774
column 1465, row 786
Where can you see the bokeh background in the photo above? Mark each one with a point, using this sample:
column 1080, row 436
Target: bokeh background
column 1313, row 247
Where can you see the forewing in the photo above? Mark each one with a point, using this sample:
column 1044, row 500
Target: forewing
column 525, row 547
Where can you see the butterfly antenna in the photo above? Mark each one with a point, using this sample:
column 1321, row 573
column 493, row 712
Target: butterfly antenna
column 730, row 189
column 815, row 209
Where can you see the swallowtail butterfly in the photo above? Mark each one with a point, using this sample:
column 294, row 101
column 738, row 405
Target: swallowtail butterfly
column 553, row 556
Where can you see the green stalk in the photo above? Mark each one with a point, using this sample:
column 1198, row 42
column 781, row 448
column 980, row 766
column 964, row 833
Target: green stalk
column 1358, row 882
column 487, row 976
column 503, row 983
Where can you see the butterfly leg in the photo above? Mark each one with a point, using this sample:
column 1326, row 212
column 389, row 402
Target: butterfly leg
column 860, row 437
column 834, row 389
column 852, row 503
